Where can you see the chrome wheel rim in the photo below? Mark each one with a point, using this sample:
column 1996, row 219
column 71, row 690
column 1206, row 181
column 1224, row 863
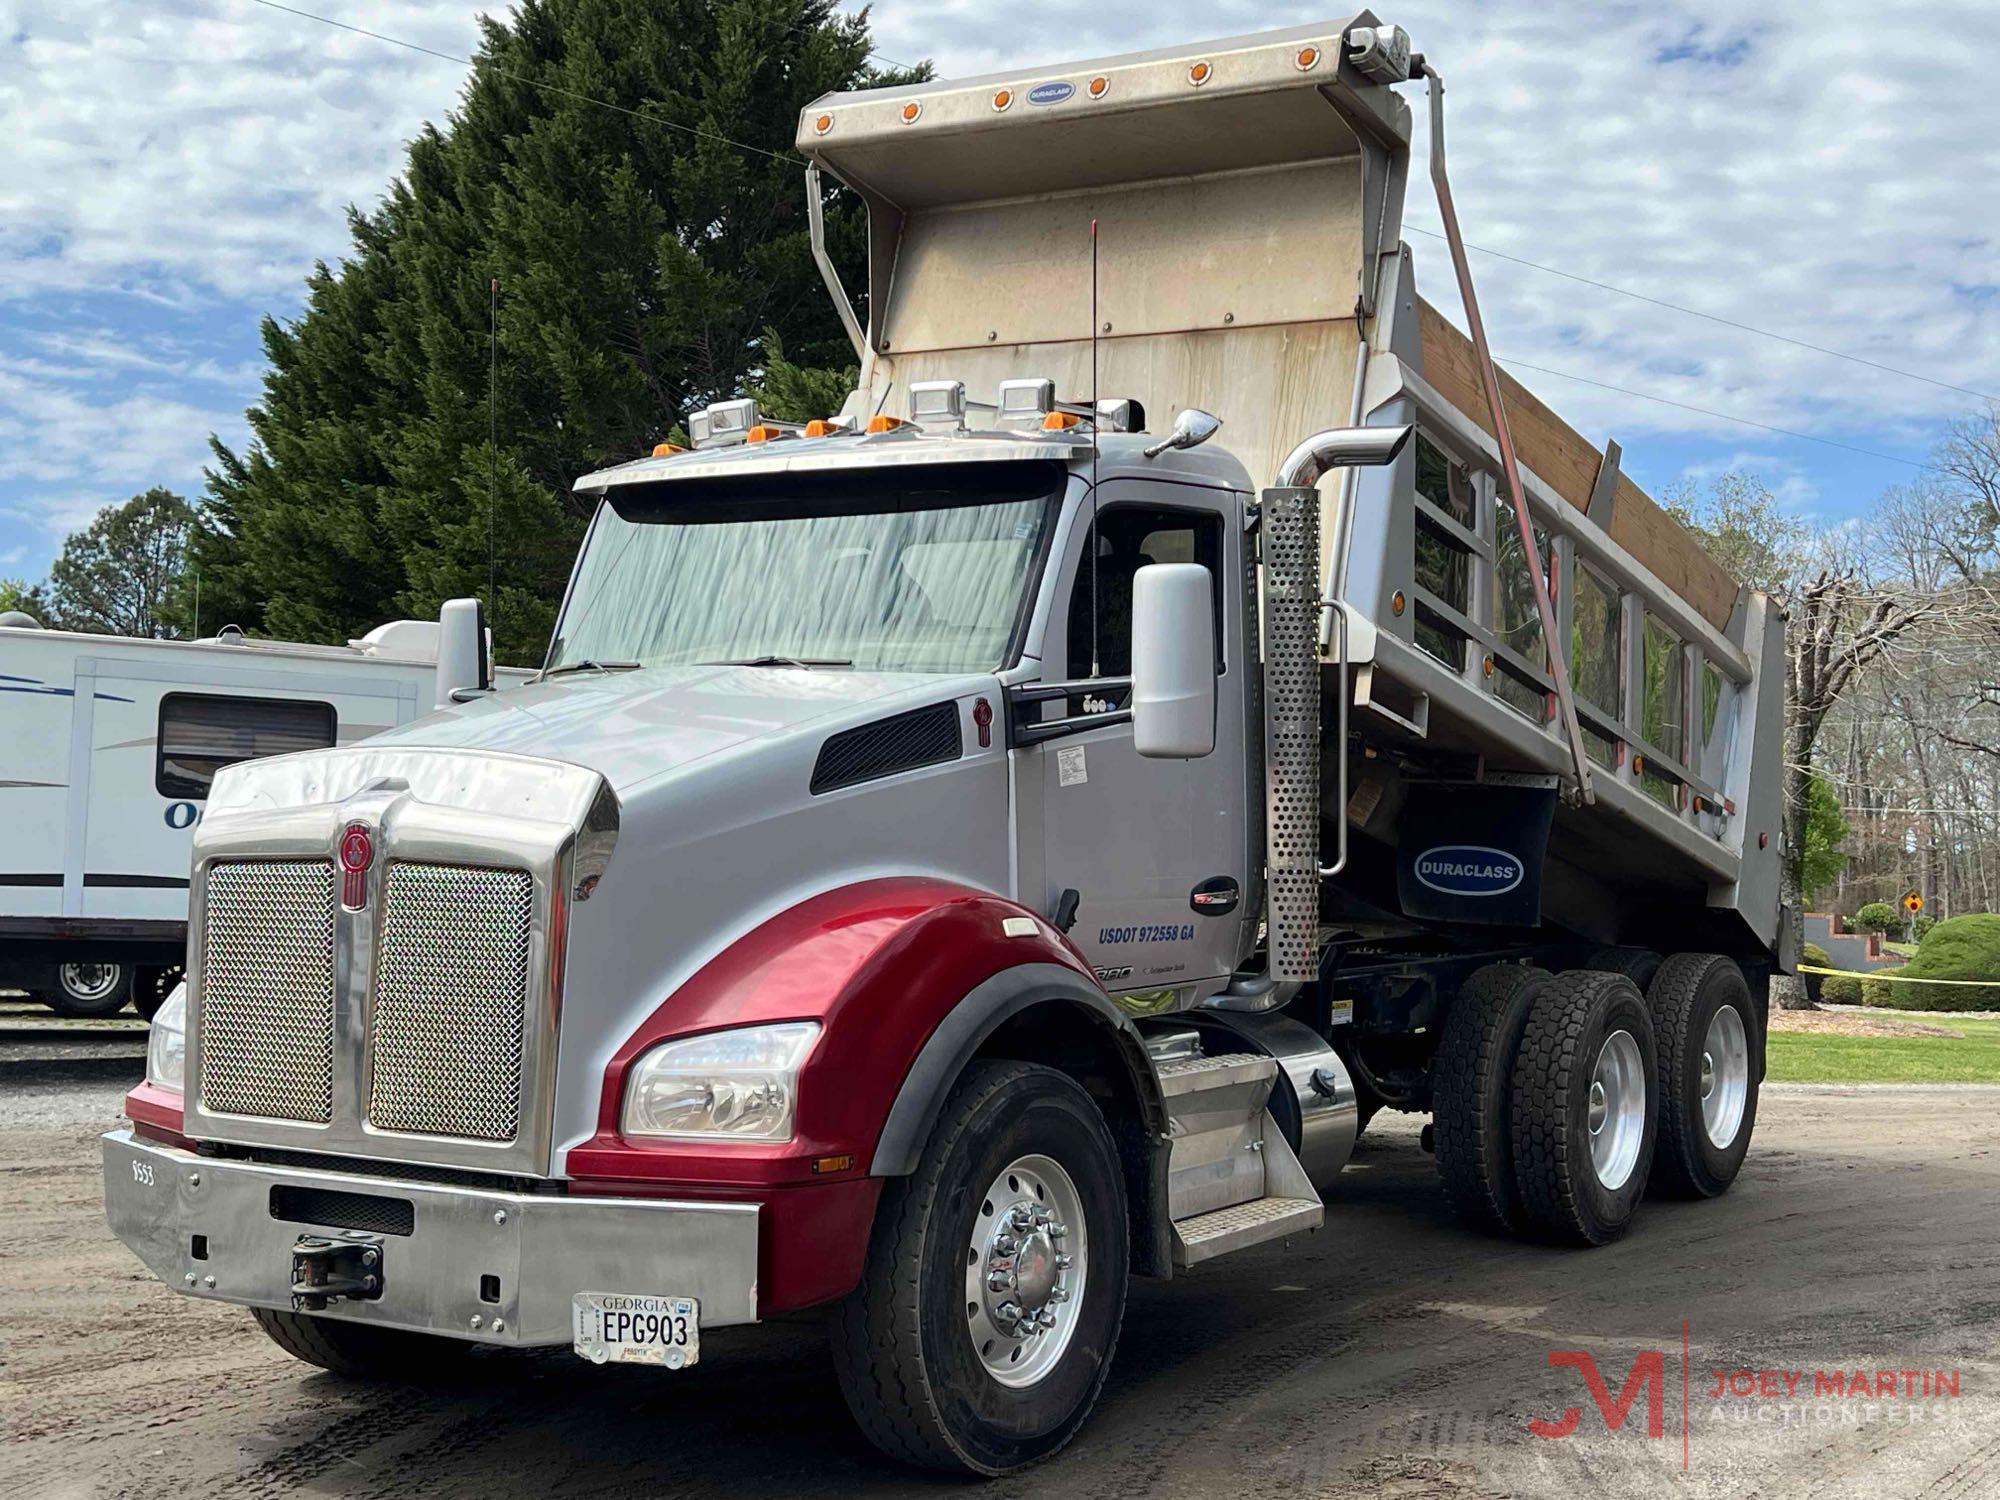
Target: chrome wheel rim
column 1616, row 1116
column 1725, row 1076
column 1025, row 1270
column 88, row 981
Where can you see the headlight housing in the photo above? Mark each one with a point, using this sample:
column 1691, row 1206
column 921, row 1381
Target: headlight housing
column 739, row 1085
column 166, row 1043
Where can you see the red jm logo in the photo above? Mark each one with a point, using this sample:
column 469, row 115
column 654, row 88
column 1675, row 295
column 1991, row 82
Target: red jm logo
column 1649, row 1370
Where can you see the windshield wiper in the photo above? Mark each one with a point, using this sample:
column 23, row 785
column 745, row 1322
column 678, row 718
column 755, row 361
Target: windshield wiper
column 783, row 661
column 588, row 664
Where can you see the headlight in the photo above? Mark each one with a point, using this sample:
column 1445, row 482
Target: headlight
column 166, row 1043
column 738, row 1085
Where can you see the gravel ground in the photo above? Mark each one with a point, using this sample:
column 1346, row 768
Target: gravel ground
column 1391, row 1354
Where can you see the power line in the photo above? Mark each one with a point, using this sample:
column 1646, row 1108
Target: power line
column 535, row 83
column 1805, row 437
column 1695, row 312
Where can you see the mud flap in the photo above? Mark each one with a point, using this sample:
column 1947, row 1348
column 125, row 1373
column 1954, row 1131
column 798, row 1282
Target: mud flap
column 1474, row 853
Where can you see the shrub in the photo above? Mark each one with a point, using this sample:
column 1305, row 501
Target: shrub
column 1921, row 926
column 1876, row 916
column 1839, row 989
column 1874, row 991
column 1814, row 955
column 1965, row 947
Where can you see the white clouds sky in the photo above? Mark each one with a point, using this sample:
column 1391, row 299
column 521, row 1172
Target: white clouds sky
column 176, row 168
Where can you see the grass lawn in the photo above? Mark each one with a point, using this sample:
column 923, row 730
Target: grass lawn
column 1804, row 1057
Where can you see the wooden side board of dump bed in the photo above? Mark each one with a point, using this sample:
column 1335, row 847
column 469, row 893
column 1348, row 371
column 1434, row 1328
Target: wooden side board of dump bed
column 1568, row 464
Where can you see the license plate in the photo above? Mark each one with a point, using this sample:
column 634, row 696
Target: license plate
column 632, row 1329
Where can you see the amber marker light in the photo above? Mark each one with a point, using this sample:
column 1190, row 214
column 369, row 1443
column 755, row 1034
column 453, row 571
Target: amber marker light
column 884, row 424
column 1003, row 99
column 1307, row 59
column 1098, row 87
column 911, row 111
column 822, row 124
column 1059, row 421
column 1200, row 73
column 667, row 450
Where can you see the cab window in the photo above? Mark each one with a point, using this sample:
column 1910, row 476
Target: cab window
column 1124, row 539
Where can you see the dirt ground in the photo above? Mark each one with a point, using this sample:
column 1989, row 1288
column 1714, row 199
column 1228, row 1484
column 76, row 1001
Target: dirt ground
column 1390, row 1354
column 1853, row 1023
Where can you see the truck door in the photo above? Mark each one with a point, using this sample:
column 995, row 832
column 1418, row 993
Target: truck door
column 1156, row 850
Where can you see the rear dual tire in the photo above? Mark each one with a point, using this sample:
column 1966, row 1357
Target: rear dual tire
column 1708, row 1070
column 1583, row 1118
column 1470, row 1086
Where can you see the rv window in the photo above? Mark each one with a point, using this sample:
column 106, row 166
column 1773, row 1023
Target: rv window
column 200, row 733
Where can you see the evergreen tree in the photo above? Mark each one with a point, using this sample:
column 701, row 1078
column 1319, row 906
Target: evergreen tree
column 628, row 262
column 121, row 574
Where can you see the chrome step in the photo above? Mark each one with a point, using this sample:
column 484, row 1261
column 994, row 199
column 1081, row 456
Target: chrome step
column 1208, row 1235
column 1215, row 1123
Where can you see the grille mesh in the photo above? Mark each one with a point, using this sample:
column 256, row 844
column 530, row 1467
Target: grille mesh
column 1291, row 729
column 451, row 987
column 267, row 990
column 923, row 737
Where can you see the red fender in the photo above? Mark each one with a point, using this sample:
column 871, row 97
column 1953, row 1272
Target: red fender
column 879, row 964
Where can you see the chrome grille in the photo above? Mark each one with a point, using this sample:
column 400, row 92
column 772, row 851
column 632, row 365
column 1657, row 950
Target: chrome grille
column 451, row 990
column 267, row 989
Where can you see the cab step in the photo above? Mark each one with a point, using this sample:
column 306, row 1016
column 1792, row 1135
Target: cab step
column 1208, row 1235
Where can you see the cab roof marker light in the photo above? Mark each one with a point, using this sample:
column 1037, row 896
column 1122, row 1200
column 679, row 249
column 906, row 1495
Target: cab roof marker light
column 884, row 423
column 829, row 427
column 938, row 403
column 1026, row 402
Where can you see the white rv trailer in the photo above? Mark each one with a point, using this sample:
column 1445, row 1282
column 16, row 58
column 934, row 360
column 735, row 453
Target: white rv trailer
column 107, row 748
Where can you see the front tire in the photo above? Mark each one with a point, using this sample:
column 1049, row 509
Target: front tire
column 90, row 988
column 986, row 1319
column 360, row 1350
column 1707, row 1030
column 1583, row 1116
column 151, row 988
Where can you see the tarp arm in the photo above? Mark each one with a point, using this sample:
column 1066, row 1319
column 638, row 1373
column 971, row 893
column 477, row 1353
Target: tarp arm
column 1557, row 649
column 816, row 216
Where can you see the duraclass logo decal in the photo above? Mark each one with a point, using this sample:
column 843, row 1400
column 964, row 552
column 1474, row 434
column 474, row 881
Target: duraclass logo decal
column 1469, row 870
column 1050, row 93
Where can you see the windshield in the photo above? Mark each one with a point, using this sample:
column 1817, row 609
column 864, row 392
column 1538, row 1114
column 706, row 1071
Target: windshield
column 885, row 570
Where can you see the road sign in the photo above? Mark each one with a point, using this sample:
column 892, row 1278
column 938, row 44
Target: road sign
column 1913, row 902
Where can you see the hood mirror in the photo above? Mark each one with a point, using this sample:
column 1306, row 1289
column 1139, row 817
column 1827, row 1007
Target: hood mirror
column 1192, row 428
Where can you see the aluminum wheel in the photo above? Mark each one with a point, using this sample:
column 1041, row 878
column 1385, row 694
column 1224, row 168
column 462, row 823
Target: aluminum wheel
column 1617, row 1114
column 1725, row 1076
column 1025, row 1270
column 87, row 983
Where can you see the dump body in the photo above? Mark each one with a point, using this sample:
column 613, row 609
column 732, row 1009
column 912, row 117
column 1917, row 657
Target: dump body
column 1246, row 205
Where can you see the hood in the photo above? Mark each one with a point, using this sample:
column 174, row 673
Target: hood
column 633, row 726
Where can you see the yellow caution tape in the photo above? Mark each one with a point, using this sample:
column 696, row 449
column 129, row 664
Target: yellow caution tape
column 1978, row 984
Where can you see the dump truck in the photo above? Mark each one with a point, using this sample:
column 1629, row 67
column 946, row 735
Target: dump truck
column 999, row 839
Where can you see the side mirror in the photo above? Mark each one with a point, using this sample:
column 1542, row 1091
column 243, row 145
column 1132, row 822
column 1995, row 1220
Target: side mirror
column 462, row 667
column 1173, row 661
column 1192, row 428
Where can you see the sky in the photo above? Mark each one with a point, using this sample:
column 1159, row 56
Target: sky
column 176, row 167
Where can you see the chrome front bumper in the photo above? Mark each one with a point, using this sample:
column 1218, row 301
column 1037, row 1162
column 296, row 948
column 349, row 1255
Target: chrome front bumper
column 210, row 1227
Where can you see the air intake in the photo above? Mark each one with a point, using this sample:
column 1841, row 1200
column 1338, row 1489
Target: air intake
column 923, row 737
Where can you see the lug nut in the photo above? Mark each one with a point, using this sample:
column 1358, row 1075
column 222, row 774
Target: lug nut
column 1064, row 1262
column 1022, row 1217
column 1003, row 1244
column 1045, row 1319
column 1000, row 1281
column 1058, row 1230
column 1058, row 1294
column 1007, row 1314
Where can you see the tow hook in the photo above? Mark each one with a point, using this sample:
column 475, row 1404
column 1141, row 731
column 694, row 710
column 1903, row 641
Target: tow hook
column 324, row 1269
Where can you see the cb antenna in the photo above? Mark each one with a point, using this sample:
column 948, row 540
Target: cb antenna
column 1096, row 541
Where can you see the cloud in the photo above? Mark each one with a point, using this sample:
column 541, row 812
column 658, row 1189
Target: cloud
column 176, row 168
